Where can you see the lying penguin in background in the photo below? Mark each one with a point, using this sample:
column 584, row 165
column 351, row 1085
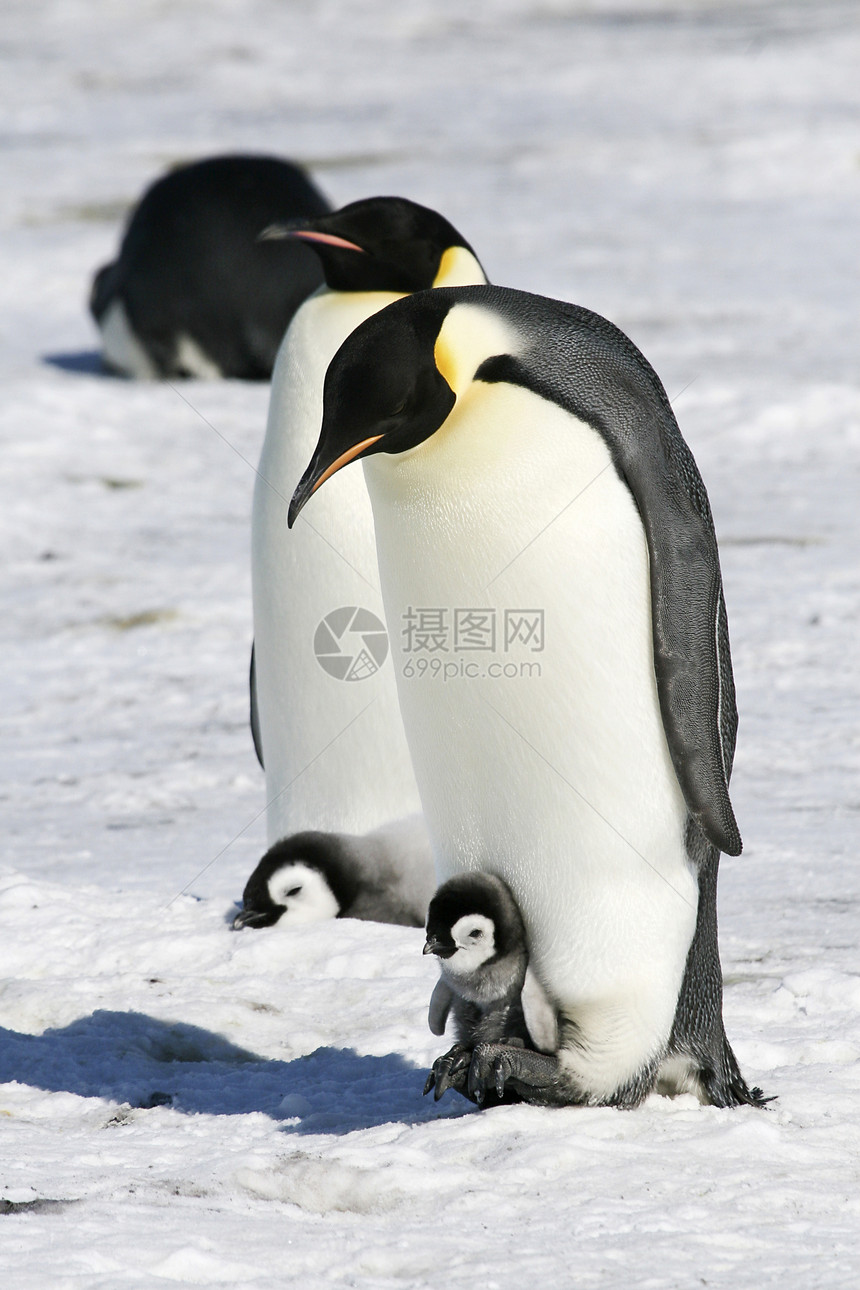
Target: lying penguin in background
column 477, row 932
column 311, row 876
column 193, row 292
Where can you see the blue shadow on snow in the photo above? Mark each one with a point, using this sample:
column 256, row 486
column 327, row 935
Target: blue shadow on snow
column 128, row 1057
column 86, row 362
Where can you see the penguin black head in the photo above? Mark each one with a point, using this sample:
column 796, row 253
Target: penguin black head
column 301, row 879
column 383, row 390
column 395, row 379
column 473, row 922
column 379, row 244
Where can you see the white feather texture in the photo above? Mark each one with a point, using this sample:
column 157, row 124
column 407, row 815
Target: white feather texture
column 121, row 348
column 329, row 764
column 474, row 938
column 561, row 775
column 335, row 753
column 304, row 894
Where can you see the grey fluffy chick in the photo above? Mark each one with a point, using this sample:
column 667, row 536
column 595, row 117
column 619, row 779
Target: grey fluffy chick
column 475, row 928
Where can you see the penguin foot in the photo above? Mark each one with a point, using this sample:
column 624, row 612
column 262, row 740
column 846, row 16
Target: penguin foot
column 451, row 1070
column 502, row 1069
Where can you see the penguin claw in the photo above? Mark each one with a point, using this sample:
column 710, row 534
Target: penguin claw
column 513, row 1074
column 449, row 1071
column 488, row 1072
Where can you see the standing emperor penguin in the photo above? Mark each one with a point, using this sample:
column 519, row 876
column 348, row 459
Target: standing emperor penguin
column 333, row 746
column 527, row 473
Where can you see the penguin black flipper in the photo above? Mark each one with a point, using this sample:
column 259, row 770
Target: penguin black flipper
column 255, row 712
column 440, row 1006
column 586, row 365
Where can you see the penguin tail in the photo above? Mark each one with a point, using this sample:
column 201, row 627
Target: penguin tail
column 727, row 1087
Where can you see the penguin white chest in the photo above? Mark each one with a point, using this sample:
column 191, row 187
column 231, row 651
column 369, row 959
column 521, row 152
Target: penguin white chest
column 321, row 752
column 536, row 738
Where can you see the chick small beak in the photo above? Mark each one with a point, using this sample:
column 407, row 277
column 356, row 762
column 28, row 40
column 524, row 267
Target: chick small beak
column 254, row 918
column 434, row 946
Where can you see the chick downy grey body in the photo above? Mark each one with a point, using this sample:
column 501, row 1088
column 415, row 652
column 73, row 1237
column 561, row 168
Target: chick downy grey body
column 313, row 876
column 475, row 929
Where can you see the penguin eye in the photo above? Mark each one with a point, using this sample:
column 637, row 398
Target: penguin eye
column 294, row 891
column 401, row 407
column 476, row 934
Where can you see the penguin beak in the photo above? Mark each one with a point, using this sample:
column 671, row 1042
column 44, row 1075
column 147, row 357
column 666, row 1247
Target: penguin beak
column 434, row 946
column 318, row 472
column 255, row 918
column 275, row 231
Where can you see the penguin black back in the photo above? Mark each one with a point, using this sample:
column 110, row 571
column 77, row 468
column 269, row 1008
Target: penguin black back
column 198, row 292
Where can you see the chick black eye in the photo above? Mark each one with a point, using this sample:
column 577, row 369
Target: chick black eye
column 476, row 934
column 294, row 892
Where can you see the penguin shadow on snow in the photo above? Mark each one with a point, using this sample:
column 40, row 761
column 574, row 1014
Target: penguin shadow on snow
column 143, row 1062
column 85, row 362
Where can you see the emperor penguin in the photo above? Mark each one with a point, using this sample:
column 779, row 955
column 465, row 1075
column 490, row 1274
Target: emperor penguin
column 193, row 292
column 312, row 876
column 477, row 933
column 325, row 715
column 528, row 478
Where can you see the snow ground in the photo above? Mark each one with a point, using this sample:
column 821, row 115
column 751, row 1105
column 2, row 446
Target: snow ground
column 182, row 1104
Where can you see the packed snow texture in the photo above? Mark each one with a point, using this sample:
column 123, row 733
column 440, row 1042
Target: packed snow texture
column 184, row 1104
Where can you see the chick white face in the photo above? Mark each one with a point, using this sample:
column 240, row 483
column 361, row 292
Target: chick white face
column 304, row 894
column 474, row 936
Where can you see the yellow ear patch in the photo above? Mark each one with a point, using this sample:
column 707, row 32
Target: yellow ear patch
column 446, row 360
column 458, row 268
column 469, row 335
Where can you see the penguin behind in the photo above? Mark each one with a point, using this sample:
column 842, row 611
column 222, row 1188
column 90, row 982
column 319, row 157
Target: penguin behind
column 314, row 876
column 333, row 750
column 193, row 292
column 521, row 456
column 475, row 929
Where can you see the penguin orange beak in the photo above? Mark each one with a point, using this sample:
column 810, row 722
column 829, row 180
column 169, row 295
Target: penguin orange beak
column 317, row 473
column 275, row 231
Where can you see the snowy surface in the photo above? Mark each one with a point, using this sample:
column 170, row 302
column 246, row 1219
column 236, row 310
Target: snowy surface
column 183, row 1104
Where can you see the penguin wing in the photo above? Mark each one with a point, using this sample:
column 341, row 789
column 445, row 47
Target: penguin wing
column 440, row 1006
column 255, row 713
column 692, row 660
column 589, row 367
column 540, row 1016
